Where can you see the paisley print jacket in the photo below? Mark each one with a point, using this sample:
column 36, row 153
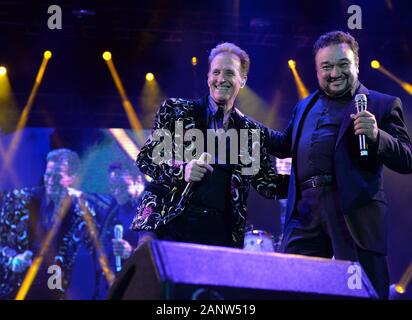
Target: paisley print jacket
column 20, row 218
column 159, row 201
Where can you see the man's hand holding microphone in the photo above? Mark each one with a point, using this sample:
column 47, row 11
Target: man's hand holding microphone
column 197, row 168
column 22, row 262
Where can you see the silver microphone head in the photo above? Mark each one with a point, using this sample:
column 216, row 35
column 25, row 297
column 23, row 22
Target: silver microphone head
column 118, row 231
column 360, row 96
column 360, row 102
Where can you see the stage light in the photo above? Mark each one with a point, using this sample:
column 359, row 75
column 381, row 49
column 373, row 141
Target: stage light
column 151, row 96
column 127, row 105
column 47, row 54
column 149, row 76
column 302, row 90
column 399, row 289
column 125, row 142
column 25, row 113
column 3, row 71
column 194, row 61
column 107, row 55
column 292, row 64
column 375, row 64
column 405, row 85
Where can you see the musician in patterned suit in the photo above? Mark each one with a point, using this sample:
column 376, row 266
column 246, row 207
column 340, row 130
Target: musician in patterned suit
column 27, row 215
column 214, row 210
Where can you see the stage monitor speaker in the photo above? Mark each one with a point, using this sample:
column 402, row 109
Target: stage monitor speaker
column 172, row 270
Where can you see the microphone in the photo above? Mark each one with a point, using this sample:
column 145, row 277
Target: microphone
column 361, row 105
column 205, row 157
column 118, row 235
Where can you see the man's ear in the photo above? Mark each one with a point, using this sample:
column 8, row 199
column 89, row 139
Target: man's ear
column 243, row 83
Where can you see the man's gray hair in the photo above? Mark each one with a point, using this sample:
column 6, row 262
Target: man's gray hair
column 65, row 155
column 234, row 49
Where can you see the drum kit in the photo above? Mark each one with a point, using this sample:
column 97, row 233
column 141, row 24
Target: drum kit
column 261, row 241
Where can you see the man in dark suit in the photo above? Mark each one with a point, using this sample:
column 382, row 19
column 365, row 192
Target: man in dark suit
column 125, row 188
column 214, row 211
column 336, row 203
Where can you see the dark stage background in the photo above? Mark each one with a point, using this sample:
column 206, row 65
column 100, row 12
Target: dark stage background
column 77, row 96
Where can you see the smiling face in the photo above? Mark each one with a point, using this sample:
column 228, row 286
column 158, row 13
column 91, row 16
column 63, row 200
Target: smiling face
column 225, row 79
column 57, row 179
column 337, row 69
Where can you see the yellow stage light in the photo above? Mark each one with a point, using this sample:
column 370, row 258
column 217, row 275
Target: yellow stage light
column 107, row 55
column 149, row 76
column 194, row 61
column 407, row 87
column 3, row 71
column 292, row 64
column 375, row 64
column 127, row 105
column 125, row 142
column 399, row 289
column 47, row 54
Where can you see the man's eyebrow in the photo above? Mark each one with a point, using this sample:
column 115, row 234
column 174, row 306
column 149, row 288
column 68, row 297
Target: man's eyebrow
column 340, row 60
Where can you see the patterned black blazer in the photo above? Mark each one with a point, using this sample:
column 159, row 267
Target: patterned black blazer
column 21, row 229
column 158, row 204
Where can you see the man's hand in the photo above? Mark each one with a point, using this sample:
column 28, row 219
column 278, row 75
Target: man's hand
column 122, row 248
column 21, row 262
column 365, row 123
column 196, row 169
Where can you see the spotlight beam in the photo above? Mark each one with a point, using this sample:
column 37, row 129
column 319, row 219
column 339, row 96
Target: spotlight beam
column 94, row 235
column 26, row 111
column 405, row 280
column 37, row 261
column 8, row 108
column 405, row 85
column 302, row 90
column 130, row 112
column 125, row 142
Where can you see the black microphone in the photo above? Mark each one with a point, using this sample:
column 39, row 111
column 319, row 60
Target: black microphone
column 205, row 157
column 361, row 105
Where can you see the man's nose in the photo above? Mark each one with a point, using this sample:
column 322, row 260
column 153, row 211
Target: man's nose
column 336, row 72
column 221, row 78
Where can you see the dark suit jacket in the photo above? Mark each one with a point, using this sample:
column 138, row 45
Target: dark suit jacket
column 359, row 181
column 158, row 204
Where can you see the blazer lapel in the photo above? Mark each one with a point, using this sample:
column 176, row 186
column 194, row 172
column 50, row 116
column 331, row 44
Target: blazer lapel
column 200, row 114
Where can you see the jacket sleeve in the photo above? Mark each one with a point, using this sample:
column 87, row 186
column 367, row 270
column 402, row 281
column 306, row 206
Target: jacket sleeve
column 156, row 158
column 279, row 144
column 267, row 182
column 394, row 146
column 13, row 237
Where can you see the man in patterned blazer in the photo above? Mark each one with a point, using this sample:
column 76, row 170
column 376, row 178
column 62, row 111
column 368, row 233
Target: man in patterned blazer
column 214, row 211
column 26, row 217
